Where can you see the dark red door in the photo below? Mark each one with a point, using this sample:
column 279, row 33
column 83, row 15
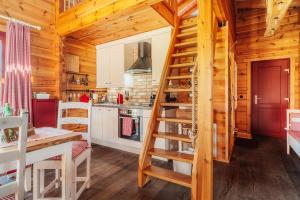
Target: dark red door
column 270, row 97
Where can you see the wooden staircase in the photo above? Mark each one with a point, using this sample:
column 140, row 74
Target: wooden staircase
column 176, row 81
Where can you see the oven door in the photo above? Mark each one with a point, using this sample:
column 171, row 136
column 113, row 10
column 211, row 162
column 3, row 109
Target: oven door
column 132, row 130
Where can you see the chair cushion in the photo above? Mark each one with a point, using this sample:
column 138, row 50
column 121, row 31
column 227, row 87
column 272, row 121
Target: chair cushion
column 77, row 148
column 294, row 121
column 12, row 172
column 10, row 197
column 295, row 135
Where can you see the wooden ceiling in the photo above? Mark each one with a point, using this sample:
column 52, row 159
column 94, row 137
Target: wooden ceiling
column 133, row 22
column 252, row 4
column 137, row 22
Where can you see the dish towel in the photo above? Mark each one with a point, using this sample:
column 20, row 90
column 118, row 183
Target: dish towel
column 127, row 126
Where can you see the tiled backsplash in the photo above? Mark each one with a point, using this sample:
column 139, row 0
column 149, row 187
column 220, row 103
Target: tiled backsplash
column 139, row 91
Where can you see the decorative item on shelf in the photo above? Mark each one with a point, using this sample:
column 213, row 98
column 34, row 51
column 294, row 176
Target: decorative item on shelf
column 104, row 99
column 152, row 98
column 77, row 78
column 78, row 81
column 8, row 135
column 76, row 94
column 120, row 98
column 127, row 95
column 170, row 98
column 42, row 95
column 71, row 62
column 84, row 98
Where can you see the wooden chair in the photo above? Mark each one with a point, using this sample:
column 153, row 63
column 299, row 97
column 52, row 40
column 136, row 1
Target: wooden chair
column 293, row 131
column 14, row 158
column 81, row 152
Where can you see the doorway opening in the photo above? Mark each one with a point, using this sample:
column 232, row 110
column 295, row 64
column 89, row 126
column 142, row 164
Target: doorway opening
column 269, row 97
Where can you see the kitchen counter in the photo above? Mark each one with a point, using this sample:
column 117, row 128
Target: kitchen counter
column 123, row 106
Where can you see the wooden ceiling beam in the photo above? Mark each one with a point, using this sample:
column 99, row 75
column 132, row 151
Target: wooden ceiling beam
column 253, row 4
column 276, row 10
column 224, row 11
column 188, row 9
column 183, row 4
column 165, row 12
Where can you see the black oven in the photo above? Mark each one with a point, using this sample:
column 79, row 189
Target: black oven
column 131, row 124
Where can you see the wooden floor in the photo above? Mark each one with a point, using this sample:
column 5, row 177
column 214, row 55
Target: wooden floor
column 259, row 170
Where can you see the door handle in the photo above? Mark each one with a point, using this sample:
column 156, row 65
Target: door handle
column 287, row 99
column 256, row 99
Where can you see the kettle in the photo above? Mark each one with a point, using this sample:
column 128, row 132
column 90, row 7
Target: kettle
column 120, row 98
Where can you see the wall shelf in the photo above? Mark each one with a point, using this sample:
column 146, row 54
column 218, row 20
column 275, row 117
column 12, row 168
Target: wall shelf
column 77, row 73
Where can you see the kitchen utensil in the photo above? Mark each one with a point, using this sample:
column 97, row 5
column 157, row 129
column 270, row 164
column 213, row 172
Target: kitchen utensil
column 120, row 98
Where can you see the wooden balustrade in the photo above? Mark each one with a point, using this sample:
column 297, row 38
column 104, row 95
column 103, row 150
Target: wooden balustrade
column 65, row 5
column 171, row 4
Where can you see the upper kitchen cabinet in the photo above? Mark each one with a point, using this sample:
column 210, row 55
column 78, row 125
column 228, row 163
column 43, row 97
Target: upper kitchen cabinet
column 103, row 67
column 116, row 58
column 160, row 45
column 117, row 65
column 110, row 66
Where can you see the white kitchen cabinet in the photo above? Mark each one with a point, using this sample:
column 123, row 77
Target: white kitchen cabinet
column 160, row 46
column 117, row 65
column 163, row 127
column 103, row 67
column 110, row 66
column 96, row 126
column 104, row 128
column 110, row 125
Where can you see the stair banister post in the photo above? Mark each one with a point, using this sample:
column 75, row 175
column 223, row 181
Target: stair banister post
column 202, row 173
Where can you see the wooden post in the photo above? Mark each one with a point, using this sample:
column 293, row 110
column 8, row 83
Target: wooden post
column 276, row 10
column 202, row 175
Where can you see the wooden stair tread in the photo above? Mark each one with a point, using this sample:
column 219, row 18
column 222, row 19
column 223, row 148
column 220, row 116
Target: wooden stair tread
column 179, row 77
column 172, row 155
column 168, row 175
column 184, row 54
column 187, row 35
column 173, row 136
column 190, row 64
column 178, row 90
column 186, row 30
column 177, row 104
column 186, row 26
column 186, row 44
column 175, row 120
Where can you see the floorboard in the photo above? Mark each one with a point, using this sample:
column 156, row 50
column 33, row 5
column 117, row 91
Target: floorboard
column 259, row 170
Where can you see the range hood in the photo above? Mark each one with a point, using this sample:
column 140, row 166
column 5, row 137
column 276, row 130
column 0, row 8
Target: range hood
column 143, row 64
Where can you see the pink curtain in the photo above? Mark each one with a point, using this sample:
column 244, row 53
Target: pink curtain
column 17, row 82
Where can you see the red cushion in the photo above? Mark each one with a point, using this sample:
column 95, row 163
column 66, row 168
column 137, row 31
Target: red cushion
column 77, row 148
column 10, row 197
column 295, row 135
column 295, row 126
column 12, row 171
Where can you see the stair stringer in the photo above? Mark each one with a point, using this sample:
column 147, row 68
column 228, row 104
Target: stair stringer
column 145, row 158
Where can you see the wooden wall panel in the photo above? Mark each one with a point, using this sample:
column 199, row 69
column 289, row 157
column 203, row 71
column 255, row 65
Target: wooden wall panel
column 87, row 62
column 253, row 46
column 219, row 94
column 44, row 43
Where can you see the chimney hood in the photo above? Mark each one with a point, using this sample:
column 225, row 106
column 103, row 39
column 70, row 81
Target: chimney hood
column 143, row 64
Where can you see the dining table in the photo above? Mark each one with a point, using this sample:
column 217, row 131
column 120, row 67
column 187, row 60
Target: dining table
column 44, row 144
